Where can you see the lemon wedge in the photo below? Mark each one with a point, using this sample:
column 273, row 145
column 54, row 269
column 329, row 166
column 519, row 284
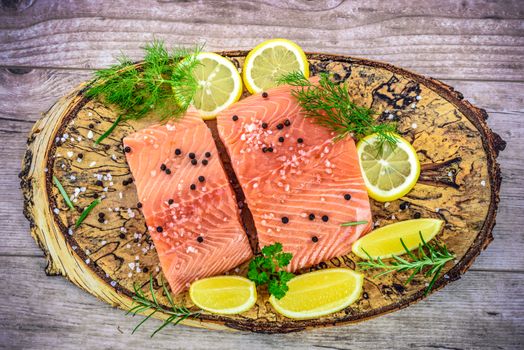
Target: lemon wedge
column 389, row 171
column 319, row 293
column 224, row 294
column 385, row 241
column 219, row 84
column 270, row 60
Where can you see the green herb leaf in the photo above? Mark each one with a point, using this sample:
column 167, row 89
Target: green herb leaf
column 142, row 303
column 63, row 193
column 330, row 105
column 108, row 131
column 431, row 258
column 163, row 85
column 86, row 212
column 354, row 223
column 266, row 269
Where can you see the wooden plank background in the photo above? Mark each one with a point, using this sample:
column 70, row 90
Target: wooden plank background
column 47, row 47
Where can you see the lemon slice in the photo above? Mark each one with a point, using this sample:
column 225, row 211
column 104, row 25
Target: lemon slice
column 389, row 171
column 385, row 241
column 270, row 60
column 224, row 294
column 319, row 293
column 219, row 84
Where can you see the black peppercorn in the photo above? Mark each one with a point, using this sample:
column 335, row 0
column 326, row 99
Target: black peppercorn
column 235, row 118
column 178, row 151
column 287, row 122
column 194, row 161
column 264, row 125
column 265, row 94
column 168, row 171
column 204, row 162
column 193, row 187
column 139, row 205
column 191, row 155
column 311, row 216
column 163, row 167
column 325, row 218
column 280, row 126
column 403, row 205
column 347, row 196
column 300, row 140
column 200, row 239
column 281, row 139
column 417, row 215
column 159, row 229
column 201, row 179
column 99, row 183
column 127, row 149
column 207, row 154
column 122, row 236
column 285, row 219
column 314, row 239
column 170, row 201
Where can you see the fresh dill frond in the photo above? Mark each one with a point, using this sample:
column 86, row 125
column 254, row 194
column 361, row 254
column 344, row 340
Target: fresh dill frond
column 330, row 104
column 142, row 303
column 429, row 260
column 163, row 85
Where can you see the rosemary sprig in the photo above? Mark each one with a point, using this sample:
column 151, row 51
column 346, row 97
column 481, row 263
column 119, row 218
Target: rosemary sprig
column 331, row 106
column 176, row 314
column 354, row 223
column 430, row 258
column 63, row 193
column 86, row 212
column 164, row 84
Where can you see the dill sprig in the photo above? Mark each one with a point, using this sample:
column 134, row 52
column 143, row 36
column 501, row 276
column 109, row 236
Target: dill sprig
column 63, row 192
column 176, row 313
column 163, row 84
column 86, row 212
column 430, row 258
column 331, row 106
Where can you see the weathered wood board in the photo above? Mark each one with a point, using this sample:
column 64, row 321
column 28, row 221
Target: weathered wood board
column 459, row 184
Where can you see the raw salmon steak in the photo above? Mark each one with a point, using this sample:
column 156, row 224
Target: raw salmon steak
column 299, row 184
column 187, row 201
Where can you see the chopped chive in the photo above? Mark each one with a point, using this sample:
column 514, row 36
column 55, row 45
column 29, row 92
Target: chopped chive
column 63, row 192
column 87, row 211
column 109, row 131
column 354, row 223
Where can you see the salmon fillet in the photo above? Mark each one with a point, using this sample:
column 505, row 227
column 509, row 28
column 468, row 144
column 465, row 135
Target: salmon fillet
column 299, row 184
column 187, row 201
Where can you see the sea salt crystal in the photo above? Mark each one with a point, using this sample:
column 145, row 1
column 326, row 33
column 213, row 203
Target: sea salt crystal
column 483, row 183
column 88, row 261
column 70, row 154
column 92, row 164
column 418, row 98
column 103, row 242
column 70, row 231
column 72, row 177
column 90, row 134
column 386, row 204
column 113, row 284
column 414, row 126
column 56, row 211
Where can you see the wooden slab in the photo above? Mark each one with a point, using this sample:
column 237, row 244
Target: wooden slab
column 459, row 184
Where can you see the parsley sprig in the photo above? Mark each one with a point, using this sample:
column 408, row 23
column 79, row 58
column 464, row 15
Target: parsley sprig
column 429, row 261
column 266, row 269
column 330, row 105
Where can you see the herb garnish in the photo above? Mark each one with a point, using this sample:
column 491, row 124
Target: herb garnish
column 176, row 314
column 163, row 84
column 86, row 212
column 434, row 260
column 63, row 193
column 330, row 105
column 266, row 269
column 354, row 223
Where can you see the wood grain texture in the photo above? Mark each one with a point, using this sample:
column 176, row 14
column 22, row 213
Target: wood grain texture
column 481, row 311
column 476, row 45
column 447, row 39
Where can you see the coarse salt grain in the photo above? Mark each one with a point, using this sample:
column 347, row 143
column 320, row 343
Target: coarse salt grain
column 414, row 125
column 70, row 154
column 483, row 183
column 90, row 134
column 56, row 211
